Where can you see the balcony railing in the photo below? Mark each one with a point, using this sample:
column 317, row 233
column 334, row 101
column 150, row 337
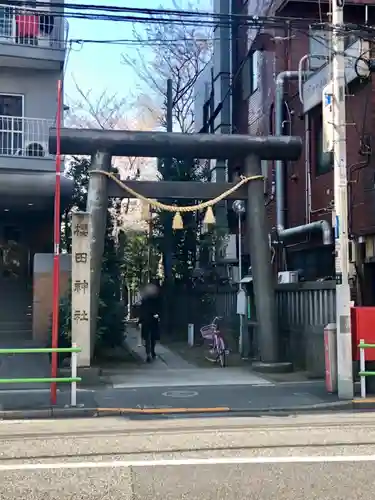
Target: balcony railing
column 27, row 137
column 32, row 28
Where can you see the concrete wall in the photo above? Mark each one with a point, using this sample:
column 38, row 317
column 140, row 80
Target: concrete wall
column 42, row 291
column 39, row 90
column 38, row 87
column 202, row 89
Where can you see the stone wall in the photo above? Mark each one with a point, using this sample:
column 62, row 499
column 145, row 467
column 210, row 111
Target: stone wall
column 43, row 291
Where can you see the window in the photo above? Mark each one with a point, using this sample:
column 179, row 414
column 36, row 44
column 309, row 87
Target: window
column 254, row 71
column 251, row 74
column 11, row 124
column 323, row 160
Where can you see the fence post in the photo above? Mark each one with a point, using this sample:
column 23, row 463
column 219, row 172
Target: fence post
column 74, row 363
column 362, row 368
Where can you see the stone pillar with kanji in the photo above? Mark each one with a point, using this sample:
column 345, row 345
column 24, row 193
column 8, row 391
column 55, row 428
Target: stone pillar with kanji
column 81, row 284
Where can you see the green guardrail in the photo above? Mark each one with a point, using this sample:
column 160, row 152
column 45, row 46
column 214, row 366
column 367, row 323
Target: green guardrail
column 362, row 365
column 73, row 379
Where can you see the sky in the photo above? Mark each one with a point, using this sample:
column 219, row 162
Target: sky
column 98, row 66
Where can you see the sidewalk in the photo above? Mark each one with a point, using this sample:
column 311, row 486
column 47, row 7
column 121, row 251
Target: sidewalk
column 165, row 359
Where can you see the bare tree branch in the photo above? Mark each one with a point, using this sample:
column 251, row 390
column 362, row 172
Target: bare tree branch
column 177, row 51
column 109, row 111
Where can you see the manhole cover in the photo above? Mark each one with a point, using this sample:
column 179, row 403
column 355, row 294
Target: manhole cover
column 180, row 394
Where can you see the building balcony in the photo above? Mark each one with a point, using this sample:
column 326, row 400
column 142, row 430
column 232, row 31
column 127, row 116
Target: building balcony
column 31, row 38
column 24, row 143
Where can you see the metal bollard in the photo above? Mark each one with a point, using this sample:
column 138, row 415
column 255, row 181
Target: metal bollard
column 74, row 364
column 362, row 368
column 330, row 352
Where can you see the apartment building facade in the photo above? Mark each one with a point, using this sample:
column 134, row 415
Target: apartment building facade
column 32, row 53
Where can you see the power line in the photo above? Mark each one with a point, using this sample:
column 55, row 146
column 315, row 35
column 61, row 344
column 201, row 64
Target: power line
column 212, row 16
column 193, row 18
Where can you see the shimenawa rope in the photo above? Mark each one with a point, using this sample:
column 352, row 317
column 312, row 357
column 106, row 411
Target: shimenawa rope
column 177, row 210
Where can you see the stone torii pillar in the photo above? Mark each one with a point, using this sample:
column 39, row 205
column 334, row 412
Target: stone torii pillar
column 96, row 206
column 103, row 143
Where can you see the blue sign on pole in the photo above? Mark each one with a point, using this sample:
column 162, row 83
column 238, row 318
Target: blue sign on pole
column 337, row 227
column 327, row 99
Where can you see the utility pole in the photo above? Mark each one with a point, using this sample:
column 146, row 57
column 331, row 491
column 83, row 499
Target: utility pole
column 168, row 231
column 149, row 242
column 168, row 226
column 344, row 340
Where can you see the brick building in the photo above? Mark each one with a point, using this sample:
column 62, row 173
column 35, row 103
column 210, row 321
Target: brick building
column 258, row 56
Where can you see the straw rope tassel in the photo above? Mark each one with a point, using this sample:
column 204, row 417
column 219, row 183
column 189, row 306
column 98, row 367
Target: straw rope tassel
column 177, row 222
column 209, row 217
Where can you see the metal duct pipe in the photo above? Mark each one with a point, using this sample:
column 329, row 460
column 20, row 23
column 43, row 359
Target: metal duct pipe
column 283, row 233
column 279, row 118
column 321, row 225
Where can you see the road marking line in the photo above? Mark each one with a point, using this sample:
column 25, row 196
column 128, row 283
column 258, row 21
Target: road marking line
column 149, row 384
column 188, row 462
column 165, row 410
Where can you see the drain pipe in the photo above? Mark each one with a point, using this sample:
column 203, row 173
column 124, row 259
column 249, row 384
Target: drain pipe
column 322, row 226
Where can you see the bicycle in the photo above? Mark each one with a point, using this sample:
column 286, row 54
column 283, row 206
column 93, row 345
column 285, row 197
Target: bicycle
column 212, row 333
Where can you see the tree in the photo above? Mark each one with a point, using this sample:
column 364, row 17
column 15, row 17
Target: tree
column 109, row 111
column 136, row 261
column 185, row 243
column 110, row 331
column 77, row 169
column 111, row 312
column 178, row 51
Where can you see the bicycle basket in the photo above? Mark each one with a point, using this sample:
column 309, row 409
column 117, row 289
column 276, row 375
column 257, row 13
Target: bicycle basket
column 208, row 331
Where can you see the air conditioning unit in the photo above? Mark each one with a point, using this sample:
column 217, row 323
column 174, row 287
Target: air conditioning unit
column 285, row 277
column 34, row 149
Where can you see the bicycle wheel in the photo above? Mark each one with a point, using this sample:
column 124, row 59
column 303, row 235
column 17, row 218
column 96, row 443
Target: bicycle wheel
column 222, row 355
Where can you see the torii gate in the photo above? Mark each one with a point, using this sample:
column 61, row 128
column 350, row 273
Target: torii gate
column 103, row 144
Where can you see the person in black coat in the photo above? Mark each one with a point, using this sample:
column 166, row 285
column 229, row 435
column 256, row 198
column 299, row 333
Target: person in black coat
column 149, row 319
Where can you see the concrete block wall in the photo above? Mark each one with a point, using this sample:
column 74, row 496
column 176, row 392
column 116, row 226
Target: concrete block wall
column 42, row 291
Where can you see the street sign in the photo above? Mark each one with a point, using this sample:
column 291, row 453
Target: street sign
column 327, row 115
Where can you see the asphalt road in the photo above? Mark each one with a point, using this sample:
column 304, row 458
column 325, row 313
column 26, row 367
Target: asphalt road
column 284, row 458
column 232, row 396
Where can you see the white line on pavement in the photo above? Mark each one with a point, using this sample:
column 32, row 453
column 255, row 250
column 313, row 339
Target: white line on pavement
column 189, row 462
column 36, row 391
column 179, row 383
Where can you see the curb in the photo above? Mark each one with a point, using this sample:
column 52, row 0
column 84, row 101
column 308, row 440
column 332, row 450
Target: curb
column 81, row 412
column 364, row 404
